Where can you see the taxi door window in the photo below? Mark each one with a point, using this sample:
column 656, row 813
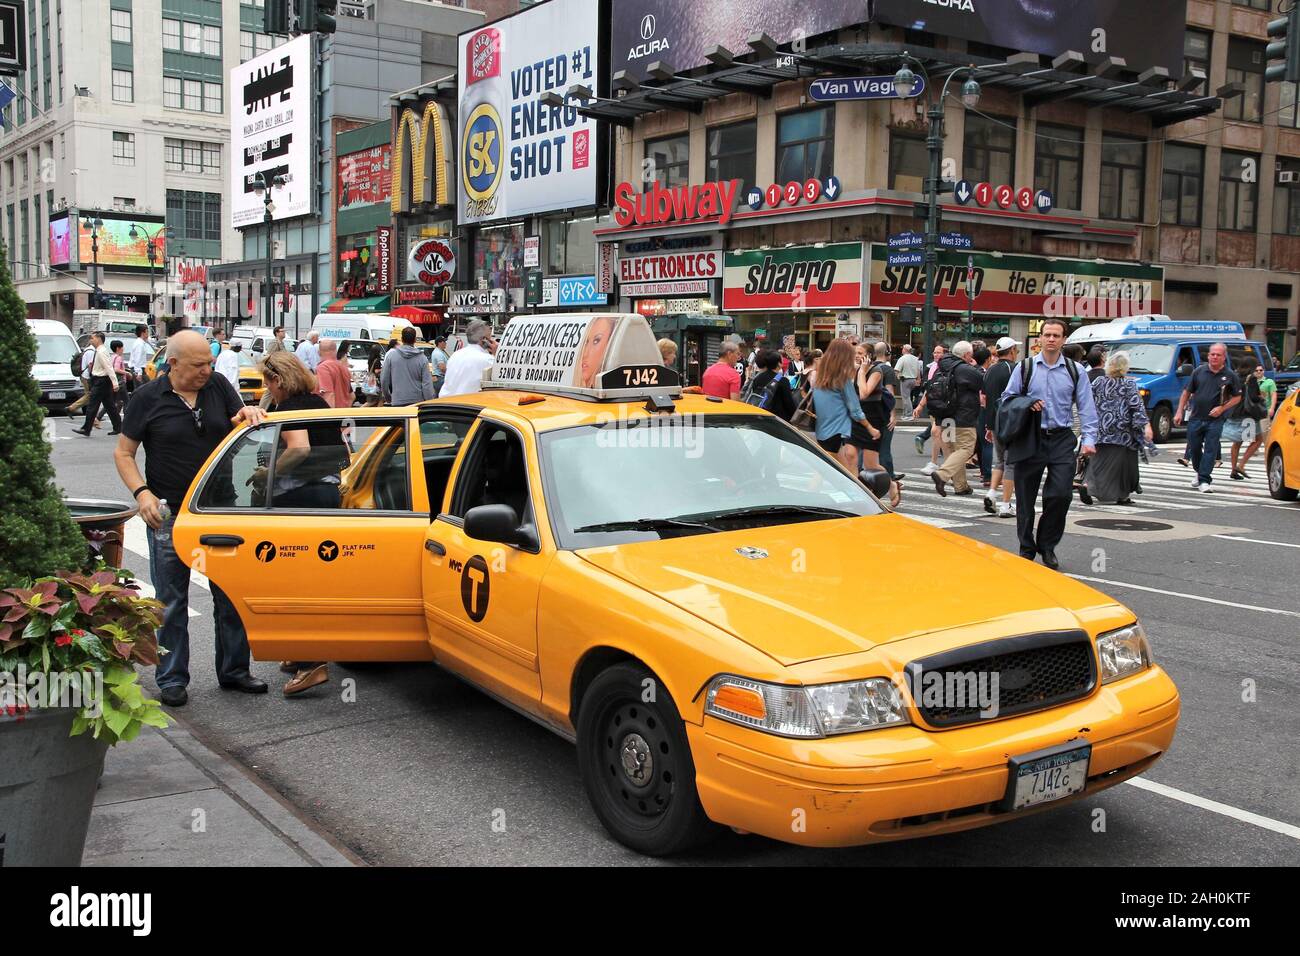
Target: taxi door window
column 230, row 484
column 494, row 473
column 441, row 438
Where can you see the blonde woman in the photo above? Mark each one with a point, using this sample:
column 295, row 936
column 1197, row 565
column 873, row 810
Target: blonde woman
column 668, row 352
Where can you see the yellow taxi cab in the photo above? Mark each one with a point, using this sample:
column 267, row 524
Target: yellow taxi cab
column 252, row 383
column 683, row 587
column 1282, row 450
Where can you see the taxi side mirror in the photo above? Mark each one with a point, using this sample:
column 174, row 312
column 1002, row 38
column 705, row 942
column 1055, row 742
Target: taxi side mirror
column 498, row 523
column 1185, row 370
column 878, row 481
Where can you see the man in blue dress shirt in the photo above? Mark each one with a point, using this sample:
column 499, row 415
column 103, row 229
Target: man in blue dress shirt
column 1060, row 386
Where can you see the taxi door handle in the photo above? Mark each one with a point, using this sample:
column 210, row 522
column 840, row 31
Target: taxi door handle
column 221, row 540
column 433, row 547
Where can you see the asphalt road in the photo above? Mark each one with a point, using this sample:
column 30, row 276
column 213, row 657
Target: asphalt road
column 423, row 769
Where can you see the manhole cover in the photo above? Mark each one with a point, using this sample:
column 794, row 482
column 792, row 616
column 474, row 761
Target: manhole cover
column 1123, row 524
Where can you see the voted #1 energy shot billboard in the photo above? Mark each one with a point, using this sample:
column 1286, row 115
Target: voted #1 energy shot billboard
column 515, row 155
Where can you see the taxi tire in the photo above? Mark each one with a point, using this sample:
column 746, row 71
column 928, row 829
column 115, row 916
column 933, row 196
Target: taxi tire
column 614, row 700
column 1277, row 478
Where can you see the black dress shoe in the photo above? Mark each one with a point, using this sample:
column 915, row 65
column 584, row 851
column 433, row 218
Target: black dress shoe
column 1028, row 555
column 938, row 485
column 173, row 696
column 246, row 683
column 82, row 431
column 1049, row 559
column 116, row 431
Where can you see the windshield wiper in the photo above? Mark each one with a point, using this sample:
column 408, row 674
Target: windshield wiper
column 774, row 510
column 646, row 524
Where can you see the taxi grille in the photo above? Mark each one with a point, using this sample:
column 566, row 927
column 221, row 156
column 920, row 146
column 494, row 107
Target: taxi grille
column 1034, row 672
column 250, row 383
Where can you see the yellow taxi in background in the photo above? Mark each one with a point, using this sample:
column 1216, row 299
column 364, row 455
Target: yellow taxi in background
column 252, row 383
column 674, row 583
column 1282, row 450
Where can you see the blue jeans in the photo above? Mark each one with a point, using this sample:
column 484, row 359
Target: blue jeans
column 171, row 582
column 1203, row 446
column 886, row 448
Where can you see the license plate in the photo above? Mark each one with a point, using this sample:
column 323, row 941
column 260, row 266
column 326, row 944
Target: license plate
column 1047, row 775
column 55, row 396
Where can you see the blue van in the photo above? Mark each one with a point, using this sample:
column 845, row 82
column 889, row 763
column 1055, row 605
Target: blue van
column 1162, row 353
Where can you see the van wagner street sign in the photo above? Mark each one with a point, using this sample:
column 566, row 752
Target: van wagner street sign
column 861, row 88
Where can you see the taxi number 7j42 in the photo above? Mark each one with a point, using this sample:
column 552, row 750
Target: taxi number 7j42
column 1047, row 775
column 640, row 376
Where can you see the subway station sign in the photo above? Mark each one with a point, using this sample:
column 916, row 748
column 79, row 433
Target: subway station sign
column 1020, row 285
column 797, row 279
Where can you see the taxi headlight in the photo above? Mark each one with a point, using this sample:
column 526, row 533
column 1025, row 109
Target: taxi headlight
column 817, row 711
column 1123, row 653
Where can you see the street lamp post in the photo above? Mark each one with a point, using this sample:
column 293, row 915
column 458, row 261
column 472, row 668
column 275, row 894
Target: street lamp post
column 970, row 94
column 94, row 225
column 263, row 189
column 151, row 250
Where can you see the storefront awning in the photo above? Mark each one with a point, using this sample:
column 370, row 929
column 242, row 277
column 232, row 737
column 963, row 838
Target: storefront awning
column 375, row 303
column 418, row 316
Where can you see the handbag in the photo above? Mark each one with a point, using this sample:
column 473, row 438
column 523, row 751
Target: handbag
column 804, row 418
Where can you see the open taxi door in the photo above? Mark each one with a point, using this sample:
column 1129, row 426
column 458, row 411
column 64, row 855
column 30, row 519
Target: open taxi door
column 318, row 551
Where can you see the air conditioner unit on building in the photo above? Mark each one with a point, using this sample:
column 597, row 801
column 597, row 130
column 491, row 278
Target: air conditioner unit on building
column 62, row 203
column 1286, row 176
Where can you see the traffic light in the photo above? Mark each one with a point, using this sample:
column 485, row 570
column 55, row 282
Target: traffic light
column 1283, row 53
column 277, row 17
column 317, row 16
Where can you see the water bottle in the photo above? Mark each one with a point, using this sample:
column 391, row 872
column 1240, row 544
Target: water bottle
column 164, row 532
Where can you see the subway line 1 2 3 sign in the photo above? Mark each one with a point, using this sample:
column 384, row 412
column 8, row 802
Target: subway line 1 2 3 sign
column 797, row 279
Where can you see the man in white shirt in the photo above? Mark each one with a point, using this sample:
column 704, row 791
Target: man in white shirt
column 138, row 355
column 103, row 385
column 228, row 364
column 87, row 360
column 908, row 368
column 465, row 367
column 308, row 350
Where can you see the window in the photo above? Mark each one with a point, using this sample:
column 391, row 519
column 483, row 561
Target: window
column 193, row 94
column 172, row 92
column 1253, row 4
column 246, row 46
column 1122, row 173
column 1196, row 54
column 805, row 145
column 211, row 40
column 668, row 160
column 494, row 473
column 171, row 34
column 187, row 156
column 121, row 21
column 1180, row 186
column 123, row 149
column 1286, row 197
column 909, row 162
column 212, row 97
column 193, row 35
column 440, row 441
column 1237, row 198
column 194, row 215
column 25, row 164
column 731, row 153
column 1058, row 164
column 1245, row 66
column 1287, row 114
column 989, row 154
column 123, row 86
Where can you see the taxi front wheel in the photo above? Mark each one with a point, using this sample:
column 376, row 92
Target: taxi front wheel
column 636, row 763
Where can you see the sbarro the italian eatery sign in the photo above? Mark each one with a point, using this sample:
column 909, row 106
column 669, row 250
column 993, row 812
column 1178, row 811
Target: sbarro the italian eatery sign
column 795, row 279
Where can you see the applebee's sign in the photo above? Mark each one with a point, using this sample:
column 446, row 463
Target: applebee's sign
column 432, row 261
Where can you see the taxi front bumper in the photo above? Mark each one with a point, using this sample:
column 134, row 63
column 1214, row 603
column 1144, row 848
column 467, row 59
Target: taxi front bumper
column 909, row 782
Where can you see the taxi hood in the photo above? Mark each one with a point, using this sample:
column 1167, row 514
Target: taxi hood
column 842, row 586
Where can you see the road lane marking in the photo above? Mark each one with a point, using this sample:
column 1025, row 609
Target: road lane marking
column 1245, row 816
column 1233, row 537
column 1190, row 597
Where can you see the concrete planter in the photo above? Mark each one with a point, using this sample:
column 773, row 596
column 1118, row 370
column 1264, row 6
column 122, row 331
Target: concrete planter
column 47, row 788
column 102, row 523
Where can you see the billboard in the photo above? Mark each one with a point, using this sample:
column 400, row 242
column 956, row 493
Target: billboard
column 271, row 132
column 422, row 169
column 116, row 247
column 795, row 279
column 681, row 32
column 60, row 242
column 1145, row 34
column 515, row 155
column 364, row 177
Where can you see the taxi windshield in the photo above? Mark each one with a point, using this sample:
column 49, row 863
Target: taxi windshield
column 1144, row 358
column 642, row 479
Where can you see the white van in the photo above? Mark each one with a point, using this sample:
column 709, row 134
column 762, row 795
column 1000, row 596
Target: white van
column 55, row 348
column 256, row 338
column 374, row 326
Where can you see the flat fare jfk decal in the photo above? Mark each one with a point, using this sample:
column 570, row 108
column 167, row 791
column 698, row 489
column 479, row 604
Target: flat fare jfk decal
column 270, row 86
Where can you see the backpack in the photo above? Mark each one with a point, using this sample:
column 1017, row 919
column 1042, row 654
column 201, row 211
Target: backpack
column 941, row 392
column 764, row 398
column 1253, row 401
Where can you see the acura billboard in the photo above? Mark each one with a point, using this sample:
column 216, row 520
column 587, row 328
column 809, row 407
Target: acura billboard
column 1149, row 33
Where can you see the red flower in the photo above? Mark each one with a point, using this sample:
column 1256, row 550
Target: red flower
column 63, row 640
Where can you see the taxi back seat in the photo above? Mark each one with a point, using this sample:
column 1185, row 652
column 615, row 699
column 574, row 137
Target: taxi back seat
column 506, row 479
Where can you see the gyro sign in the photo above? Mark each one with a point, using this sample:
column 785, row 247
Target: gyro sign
column 432, row 261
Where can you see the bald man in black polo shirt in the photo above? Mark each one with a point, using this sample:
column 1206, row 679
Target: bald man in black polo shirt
column 180, row 418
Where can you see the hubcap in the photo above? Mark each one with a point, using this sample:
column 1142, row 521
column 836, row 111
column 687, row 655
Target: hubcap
column 1275, row 473
column 638, row 761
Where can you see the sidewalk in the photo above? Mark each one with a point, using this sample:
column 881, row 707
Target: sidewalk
column 166, row 799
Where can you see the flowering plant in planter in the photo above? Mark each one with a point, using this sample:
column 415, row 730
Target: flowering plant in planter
column 73, row 639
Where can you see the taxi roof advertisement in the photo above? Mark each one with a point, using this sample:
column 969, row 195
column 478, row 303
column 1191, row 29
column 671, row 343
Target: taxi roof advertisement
column 682, row 32
column 515, row 155
column 794, row 279
column 1021, row 285
column 1149, row 33
column 568, row 351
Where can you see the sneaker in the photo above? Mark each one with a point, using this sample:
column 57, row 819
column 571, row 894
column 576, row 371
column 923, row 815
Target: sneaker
column 1006, row 510
column 305, row 679
column 1195, row 485
column 1205, row 488
column 930, row 468
column 988, row 504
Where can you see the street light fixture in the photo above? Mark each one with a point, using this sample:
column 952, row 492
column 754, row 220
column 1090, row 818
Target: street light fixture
column 94, row 225
column 263, row 188
column 151, row 250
